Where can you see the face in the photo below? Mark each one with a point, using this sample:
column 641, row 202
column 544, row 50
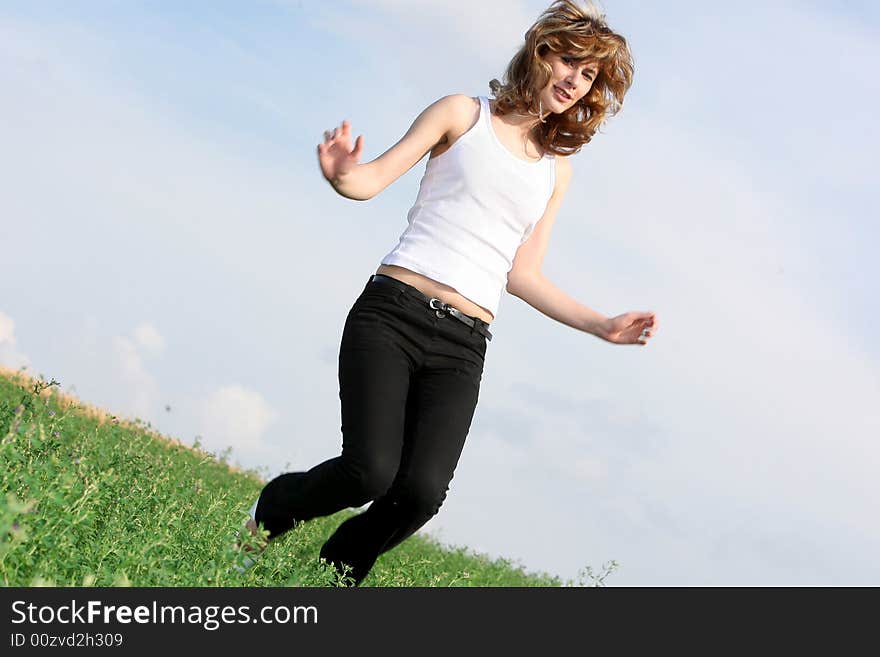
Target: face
column 570, row 80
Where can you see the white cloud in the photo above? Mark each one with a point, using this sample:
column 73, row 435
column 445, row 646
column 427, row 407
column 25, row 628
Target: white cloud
column 149, row 339
column 490, row 26
column 141, row 390
column 442, row 53
column 7, row 329
column 586, row 468
column 233, row 416
column 10, row 355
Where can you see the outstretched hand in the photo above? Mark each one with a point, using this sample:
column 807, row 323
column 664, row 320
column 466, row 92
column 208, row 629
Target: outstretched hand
column 631, row 328
column 336, row 155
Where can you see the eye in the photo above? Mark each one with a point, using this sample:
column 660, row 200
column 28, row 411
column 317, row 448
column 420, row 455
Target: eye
column 570, row 62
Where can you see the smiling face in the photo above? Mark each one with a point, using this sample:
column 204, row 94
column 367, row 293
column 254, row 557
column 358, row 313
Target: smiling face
column 570, row 80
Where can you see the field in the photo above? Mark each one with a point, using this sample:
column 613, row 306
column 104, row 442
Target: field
column 91, row 499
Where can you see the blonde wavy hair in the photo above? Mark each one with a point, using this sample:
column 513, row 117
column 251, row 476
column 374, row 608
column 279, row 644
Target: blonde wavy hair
column 578, row 29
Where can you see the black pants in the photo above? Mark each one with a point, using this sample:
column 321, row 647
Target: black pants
column 408, row 384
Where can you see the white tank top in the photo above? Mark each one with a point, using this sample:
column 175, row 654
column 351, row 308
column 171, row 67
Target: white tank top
column 477, row 203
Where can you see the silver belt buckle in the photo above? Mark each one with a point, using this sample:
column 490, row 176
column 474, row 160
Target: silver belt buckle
column 438, row 309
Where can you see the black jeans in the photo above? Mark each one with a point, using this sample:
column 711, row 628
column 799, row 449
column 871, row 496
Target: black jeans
column 409, row 381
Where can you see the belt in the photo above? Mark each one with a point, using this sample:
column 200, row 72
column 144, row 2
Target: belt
column 435, row 304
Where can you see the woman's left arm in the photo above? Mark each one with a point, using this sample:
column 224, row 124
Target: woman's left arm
column 526, row 281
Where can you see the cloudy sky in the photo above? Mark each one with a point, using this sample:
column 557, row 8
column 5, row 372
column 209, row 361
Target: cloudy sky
column 168, row 243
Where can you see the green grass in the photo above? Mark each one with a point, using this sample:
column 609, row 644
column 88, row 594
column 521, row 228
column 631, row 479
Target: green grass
column 89, row 499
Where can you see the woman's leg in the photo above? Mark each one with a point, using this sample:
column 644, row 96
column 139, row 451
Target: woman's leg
column 442, row 399
column 374, row 377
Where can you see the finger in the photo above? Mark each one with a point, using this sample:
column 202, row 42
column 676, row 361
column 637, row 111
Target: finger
column 639, row 318
column 358, row 147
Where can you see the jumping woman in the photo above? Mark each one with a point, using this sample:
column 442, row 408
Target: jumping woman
column 414, row 342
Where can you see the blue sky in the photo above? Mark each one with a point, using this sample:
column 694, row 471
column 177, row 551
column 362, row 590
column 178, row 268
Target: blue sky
column 169, row 240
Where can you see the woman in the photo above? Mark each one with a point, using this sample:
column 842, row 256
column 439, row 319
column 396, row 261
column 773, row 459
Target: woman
column 414, row 342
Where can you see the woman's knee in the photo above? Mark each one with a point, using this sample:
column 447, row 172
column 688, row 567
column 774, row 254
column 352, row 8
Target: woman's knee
column 424, row 495
column 372, row 477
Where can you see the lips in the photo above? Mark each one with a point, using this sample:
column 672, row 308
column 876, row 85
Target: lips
column 563, row 92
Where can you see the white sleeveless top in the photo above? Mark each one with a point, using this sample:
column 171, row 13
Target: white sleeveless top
column 477, row 203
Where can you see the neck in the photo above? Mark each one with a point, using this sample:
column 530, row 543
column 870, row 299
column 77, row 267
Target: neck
column 525, row 122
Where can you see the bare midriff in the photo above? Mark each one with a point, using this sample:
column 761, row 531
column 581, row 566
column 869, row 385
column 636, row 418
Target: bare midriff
column 432, row 288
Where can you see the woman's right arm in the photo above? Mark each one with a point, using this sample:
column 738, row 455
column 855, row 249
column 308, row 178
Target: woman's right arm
column 339, row 162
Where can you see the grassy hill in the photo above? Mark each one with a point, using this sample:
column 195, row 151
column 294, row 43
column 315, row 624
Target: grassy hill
column 90, row 499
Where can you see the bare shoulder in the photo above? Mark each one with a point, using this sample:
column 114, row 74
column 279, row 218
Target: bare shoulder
column 462, row 102
column 459, row 113
column 457, row 103
column 438, row 126
column 563, row 167
column 463, row 110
